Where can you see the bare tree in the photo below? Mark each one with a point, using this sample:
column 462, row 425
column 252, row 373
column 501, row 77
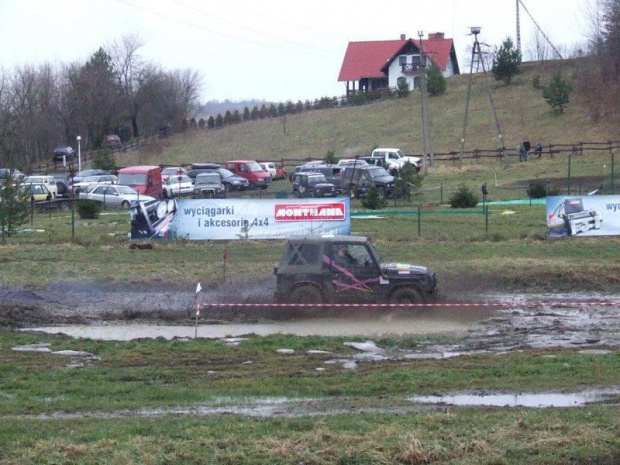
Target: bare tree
column 133, row 74
column 538, row 49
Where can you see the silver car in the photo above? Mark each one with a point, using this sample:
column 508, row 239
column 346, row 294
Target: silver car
column 114, row 196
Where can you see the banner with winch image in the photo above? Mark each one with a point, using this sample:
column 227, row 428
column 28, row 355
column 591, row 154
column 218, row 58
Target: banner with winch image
column 226, row 219
column 588, row 215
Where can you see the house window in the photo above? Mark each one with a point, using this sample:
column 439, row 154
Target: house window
column 416, row 82
column 402, row 60
column 401, row 82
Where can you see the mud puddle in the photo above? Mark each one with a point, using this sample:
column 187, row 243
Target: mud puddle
column 289, row 407
column 443, row 322
column 530, row 400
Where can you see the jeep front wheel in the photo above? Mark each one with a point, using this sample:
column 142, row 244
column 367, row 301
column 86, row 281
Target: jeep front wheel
column 407, row 295
column 306, row 294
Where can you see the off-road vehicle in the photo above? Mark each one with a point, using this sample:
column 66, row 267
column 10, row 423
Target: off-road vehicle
column 208, row 185
column 312, row 185
column 317, row 269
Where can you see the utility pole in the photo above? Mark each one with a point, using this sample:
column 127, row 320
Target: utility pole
column 427, row 134
column 518, row 28
column 476, row 53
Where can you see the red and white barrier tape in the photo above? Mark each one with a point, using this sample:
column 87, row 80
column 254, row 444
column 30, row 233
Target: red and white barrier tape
column 430, row 305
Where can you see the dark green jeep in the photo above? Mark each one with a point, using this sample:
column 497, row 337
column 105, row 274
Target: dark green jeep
column 317, row 269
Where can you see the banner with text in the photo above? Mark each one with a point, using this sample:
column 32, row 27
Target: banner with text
column 590, row 215
column 209, row 219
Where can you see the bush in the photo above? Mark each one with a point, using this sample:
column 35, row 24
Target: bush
column 374, row 201
column 330, row 158
column 88, row 209
column 464, row 197
column 538, row 190
column 357, row 99
column 104, row 160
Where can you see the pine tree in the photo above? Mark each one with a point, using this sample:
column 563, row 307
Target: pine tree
column 507, row 62
column 435, row 80
column 557, row 93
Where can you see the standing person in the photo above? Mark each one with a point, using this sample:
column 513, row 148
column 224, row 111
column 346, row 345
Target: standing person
column 527, row 146
column 522, row 152
column 538, row 150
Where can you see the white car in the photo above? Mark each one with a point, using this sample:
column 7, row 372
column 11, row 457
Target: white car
column 48, row 181
column 174, row 187
column 395, row 158
column 270, row 168
column 107, row 179
column 113, row 196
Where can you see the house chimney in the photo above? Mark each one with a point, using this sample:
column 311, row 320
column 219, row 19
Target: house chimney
column 436, row 35
column 403, row 37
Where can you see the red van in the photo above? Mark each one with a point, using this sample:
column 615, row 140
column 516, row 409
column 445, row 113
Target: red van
column 143, row 179
column 251, row 171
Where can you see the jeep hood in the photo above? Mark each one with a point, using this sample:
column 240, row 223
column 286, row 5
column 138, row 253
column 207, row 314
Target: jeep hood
column 402, row 270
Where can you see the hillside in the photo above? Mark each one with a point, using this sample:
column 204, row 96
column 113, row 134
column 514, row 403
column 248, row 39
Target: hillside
column 350, row 131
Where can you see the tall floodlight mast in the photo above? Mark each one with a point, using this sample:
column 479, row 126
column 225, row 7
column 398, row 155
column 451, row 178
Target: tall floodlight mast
column 476, row 54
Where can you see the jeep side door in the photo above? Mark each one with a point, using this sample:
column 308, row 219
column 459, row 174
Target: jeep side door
column 355, row 274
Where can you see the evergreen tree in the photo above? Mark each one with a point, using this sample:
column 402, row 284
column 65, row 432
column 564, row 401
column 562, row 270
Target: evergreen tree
column 507, row 62
column 246, row 114
column 402, row 87
column 557, row 93
column 14, row 207
column 435, row 80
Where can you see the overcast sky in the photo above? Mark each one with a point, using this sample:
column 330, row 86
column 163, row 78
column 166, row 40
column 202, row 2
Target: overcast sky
column 275, row 50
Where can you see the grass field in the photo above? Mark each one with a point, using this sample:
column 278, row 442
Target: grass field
column 373, row 421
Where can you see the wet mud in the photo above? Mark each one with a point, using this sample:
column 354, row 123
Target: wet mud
column 137, row 310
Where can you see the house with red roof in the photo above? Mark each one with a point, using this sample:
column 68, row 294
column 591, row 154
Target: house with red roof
column 375, row 65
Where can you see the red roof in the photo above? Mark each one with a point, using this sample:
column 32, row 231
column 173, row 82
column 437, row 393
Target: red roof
column 368, row 59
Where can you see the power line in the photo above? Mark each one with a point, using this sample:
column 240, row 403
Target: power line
column 296, row 26
column 250, row 29
column 195, row 26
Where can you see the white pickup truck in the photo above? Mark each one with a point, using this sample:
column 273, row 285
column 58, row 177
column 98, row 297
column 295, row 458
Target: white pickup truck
column 394, row 159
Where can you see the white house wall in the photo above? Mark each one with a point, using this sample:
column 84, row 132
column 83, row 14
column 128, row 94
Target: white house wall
column 395, row 71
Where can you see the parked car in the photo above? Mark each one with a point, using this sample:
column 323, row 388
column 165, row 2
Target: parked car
column 232, row 182
column 114, row 196
column 312, row 185
column 269, row 167
column 15, row 174
column 81, row 175
column 251, row 171
column 49, row 182
column 359, row 180
column 142, row 178
column 112, row 141
column 333, row 174
column 172, row 171
column 64, row 151
column 36, row 191
column 208, row 186
column 317, row 269
column 351, row 161
column 98, row 179
column 175, row 186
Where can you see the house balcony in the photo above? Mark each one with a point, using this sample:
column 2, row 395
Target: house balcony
column 410, row 68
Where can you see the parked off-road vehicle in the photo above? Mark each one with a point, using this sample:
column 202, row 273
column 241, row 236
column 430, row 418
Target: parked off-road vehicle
column 208, row 185
column 312, row 185
column 318, row 269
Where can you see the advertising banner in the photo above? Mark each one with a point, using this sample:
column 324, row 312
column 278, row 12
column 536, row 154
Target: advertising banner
column 212, row 219
column 590, row 215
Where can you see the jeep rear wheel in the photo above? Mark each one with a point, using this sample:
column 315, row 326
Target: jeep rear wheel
column 306, row 294
column 407, row 295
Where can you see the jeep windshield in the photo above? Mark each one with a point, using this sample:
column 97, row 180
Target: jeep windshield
column 316, row 179
column 378, row 172
column 207, row 179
